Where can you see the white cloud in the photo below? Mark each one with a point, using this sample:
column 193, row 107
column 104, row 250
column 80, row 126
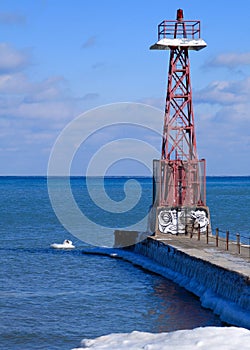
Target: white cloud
column 223, row 119
column 225, row 92
column 12, row 60
column 32, row 113
column 48, row 110
column 14, row 83
column 230, row 60
column 23, row 99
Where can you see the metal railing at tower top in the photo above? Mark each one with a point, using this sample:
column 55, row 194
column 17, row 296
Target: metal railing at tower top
column 175, row 29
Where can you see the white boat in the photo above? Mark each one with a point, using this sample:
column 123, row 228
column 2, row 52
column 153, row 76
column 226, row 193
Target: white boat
column 67, row 244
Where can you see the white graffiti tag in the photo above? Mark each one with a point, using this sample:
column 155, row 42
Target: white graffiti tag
column 171, row 221
column 177, row 220
column 201, row 219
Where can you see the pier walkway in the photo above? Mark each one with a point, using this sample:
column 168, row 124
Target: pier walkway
column 227, row 259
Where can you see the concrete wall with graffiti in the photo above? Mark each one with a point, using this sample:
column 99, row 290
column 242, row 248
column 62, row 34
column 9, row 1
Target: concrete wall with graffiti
column 181, row 220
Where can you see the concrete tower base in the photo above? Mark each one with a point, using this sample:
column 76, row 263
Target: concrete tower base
column 180, row 220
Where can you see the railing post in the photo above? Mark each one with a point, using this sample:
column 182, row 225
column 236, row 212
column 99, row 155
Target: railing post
column 249, row 247
column 192, row 230
column 217, row 237
column 238, row 241
column 199, row 232
column 227, row 239
column 207, row 234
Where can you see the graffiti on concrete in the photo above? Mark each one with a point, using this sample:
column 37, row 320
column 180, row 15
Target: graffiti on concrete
column 175, row 220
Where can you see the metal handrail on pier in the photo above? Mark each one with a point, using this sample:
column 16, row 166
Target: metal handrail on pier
column 234, row 243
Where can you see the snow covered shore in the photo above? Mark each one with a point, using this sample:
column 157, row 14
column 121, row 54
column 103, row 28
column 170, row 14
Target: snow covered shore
column 212, row 338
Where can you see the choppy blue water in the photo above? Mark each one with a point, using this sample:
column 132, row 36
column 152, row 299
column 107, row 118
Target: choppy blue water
column 51, row 299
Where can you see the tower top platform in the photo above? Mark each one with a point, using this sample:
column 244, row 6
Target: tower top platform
column 179, row 33
column 168, row 44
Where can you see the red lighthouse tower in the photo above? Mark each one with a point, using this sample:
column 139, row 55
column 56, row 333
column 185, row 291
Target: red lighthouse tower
column 179, row 177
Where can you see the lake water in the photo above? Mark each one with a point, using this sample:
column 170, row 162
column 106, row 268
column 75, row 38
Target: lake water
column 51, row 299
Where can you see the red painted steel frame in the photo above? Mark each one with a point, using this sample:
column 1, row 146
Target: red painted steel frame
column 182, row 174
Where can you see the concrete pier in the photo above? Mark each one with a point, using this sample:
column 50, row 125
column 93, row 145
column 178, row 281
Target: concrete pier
column 221, row 279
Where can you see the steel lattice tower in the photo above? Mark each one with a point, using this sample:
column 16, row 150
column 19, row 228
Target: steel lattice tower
column 183, row 180
column 179, row 177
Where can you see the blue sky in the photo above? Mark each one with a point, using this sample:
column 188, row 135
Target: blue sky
column 61, row 58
